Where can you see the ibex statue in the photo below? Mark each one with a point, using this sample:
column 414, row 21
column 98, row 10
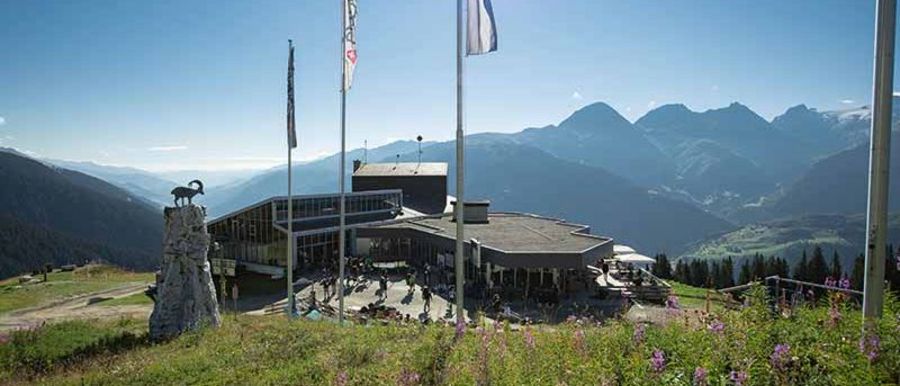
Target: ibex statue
column 183, row 192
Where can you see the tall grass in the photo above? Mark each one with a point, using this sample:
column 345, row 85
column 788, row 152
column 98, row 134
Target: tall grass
column 816, row 348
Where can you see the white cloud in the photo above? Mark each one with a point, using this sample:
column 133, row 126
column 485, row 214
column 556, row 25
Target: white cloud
column 714, row 88
column 2, row 121
column 851, row 101
column 577, row 96
column 167, row 148
column 897, row 93
column 651, row 105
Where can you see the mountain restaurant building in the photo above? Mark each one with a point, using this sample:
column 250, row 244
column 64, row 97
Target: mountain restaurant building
column 399, row 212
column 509, row 250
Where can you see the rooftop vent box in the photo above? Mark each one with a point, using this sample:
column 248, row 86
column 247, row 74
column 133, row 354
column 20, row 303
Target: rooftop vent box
column 474, row 212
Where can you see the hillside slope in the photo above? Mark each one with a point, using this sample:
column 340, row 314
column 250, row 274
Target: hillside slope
column 525, row 179
column 101, row 217
column 789, row 237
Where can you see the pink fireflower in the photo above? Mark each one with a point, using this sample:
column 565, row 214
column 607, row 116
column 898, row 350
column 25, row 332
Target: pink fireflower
column 579, row 341
column 738, row 377
column 700, row 376
column 869, row 346
column 638, row 336
column 341, row 379
column 408, row 378
column 529, row 338
column 658, row 361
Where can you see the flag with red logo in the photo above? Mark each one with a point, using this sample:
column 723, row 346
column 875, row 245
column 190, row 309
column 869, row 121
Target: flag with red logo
column 349, row 42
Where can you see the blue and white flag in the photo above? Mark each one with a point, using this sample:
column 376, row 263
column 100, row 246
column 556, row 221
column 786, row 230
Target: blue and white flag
column 481, row 32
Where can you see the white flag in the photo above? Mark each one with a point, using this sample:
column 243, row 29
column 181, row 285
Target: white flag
column 349, row 42
column 481, row 33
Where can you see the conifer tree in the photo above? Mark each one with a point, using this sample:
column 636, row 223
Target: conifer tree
column 859, row 272
column 818, row 268
column 800, row 270
column 836, row 270
column 728, row 273
column 744, row 277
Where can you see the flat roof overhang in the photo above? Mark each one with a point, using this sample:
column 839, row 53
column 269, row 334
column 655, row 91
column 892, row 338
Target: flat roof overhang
column 507, row 259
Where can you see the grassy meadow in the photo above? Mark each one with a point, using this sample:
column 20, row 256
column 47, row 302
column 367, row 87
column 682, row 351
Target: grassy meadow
column 821, row 345
column 60, row 285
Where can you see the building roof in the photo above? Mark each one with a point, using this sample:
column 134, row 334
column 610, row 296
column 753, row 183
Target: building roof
column 512, row 232
column 402, row 169
column 635, row 258
column 620, row 249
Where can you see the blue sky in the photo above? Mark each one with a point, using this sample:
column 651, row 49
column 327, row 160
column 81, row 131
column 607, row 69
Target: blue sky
column 168, row 85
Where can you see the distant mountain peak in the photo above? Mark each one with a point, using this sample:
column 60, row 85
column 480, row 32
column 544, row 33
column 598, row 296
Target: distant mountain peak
column 665, row 115
column 593, row 115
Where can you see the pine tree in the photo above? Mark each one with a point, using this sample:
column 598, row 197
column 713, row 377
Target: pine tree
column 758, row 267
column 714, row 271
column 744, row 276
column 800, row 270
column 818, row 268
column 662, row 268
column 859, row 272
column 728, row 273
column 836, row 270
column 699, row 273
column 681, row 272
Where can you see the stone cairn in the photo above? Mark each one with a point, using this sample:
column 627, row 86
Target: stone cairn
column 185, row 293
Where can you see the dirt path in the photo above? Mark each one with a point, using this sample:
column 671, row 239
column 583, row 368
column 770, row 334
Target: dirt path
column 78, row 307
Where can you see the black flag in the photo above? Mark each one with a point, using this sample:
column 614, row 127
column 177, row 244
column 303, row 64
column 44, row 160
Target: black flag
column 291, row 124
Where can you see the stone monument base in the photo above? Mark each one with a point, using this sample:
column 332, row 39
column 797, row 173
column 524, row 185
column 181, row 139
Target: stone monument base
column 185, row 293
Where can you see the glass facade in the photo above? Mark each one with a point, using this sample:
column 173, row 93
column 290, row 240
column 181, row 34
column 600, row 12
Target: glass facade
column 256, row 234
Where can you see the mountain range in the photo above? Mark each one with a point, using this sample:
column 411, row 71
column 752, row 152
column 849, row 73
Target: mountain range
column 670, row 181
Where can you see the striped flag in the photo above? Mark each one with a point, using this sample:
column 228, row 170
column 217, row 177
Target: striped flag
column 291, row 123
column 481, row 32
column 349, row 42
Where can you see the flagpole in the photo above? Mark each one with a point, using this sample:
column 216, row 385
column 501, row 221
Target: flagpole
column 341, row 234
column 290, row 207
column 460, row 222
column 876, row 235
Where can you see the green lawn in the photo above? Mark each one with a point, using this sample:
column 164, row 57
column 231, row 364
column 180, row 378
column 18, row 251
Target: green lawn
column 61, row 285
column 270, row 350
column 695, row 297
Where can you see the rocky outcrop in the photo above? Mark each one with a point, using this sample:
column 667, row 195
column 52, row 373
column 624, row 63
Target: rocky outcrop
column 186, row 296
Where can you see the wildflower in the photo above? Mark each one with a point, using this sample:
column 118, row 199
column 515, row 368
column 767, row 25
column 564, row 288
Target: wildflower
column 845, row 283
column 638, row 336
column 738, row 377
column 529, row 338
column 780, row 357
column 341, row 379
column 571, row 319
column 834, row 315
column 869, row 345
column 830, row 282
column 408, row 378
column 700, row 376
column 460, row 328
column 672, row 302
column 658, row 361
column 579, row 340
column 717, row 326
